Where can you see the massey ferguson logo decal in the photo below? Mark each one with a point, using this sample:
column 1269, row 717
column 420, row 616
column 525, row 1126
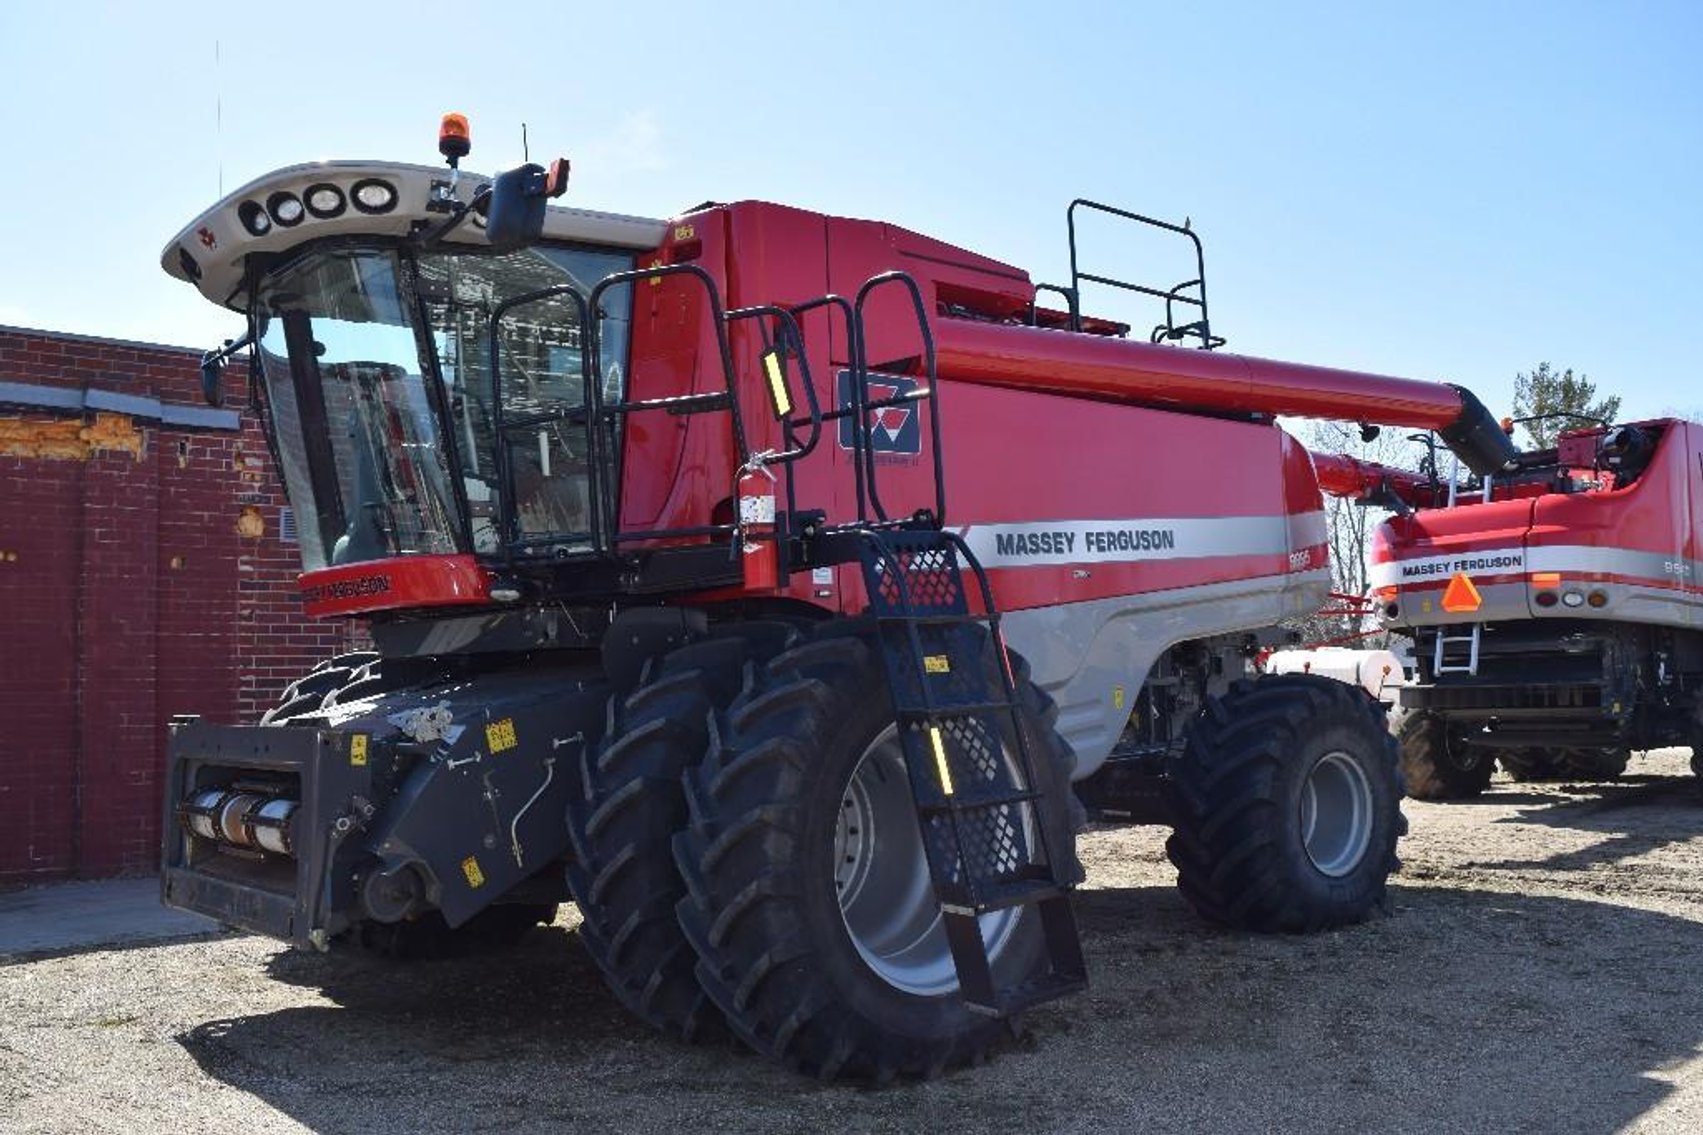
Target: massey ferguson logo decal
column 1060, row 542
column 892, row 429
column 1427, row 569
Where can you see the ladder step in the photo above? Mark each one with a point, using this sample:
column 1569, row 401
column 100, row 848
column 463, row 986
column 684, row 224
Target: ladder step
column 928, row 620
column 968, row 801
column 991, row 897
column 1066, row 971
column 1020, row 998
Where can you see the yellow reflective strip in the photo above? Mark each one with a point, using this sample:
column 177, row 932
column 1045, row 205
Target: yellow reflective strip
column 940, row 759
column 777, row 383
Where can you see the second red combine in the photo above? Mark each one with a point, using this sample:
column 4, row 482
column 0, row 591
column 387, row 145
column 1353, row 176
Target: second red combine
column 1555, row 608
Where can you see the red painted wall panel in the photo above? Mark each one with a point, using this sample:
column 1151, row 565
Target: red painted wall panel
column 128, row 594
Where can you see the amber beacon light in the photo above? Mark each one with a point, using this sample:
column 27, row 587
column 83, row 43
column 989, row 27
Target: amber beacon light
column 455, row 138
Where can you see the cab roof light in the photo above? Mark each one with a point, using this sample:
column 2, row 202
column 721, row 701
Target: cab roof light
column 324, row 200
column 253, row 217
column 285, row 209
column 373, row 196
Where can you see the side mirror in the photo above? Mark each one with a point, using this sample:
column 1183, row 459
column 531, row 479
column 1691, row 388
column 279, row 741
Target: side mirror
column 212, row 375
column 515, row 215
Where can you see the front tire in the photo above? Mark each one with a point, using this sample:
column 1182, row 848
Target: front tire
column 1437, row 763
column 631, row 804
column 1287, row 805
column 819, row 937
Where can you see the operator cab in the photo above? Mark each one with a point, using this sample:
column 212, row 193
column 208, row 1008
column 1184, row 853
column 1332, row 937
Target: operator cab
column 371, row 349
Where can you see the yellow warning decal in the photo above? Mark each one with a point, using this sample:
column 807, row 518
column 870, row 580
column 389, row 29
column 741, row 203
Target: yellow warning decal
column 940, row 759
column 470, row 868
column 936, row 664
column 358, row 750
column 684, row 232
column 499, row 736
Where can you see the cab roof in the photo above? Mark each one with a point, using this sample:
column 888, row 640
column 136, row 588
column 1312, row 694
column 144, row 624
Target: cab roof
column 357, row 198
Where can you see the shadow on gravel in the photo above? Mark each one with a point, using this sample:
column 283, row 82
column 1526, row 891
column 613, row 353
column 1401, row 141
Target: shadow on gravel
column 1464, row 1010
column 1639, row 814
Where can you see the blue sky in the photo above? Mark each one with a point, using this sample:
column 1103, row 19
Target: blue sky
column 1445, row 190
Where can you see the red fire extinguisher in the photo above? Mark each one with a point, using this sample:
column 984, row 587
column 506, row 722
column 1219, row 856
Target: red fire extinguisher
column 759, row 551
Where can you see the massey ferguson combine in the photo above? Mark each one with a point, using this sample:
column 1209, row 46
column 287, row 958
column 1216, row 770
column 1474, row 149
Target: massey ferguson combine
column 1555, row 608
column 764, row 581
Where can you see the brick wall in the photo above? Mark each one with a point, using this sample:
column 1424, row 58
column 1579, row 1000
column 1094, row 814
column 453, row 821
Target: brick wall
column 128, row 593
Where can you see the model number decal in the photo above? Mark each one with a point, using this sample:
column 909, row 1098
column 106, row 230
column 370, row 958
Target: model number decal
column 347, row 589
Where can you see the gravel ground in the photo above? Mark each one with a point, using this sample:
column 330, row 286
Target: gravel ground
column 1537, row 973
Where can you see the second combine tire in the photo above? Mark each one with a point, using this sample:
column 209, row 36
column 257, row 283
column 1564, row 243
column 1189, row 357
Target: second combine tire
column 629, row 804
column 1585, row 764
column 1286, row 801
column 1437, row 764
column 810, row 901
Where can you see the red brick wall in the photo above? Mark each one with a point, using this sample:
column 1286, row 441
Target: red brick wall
column 127, row 595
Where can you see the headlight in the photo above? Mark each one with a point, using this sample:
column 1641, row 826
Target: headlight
column 374, row 196
column 324, row 200
column 285, row 208
column 254, row 218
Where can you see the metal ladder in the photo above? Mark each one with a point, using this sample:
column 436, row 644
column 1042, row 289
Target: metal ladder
column 969, row 762
column 1441, row 659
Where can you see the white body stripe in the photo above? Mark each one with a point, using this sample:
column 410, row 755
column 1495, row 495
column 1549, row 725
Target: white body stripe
column 1050, row 543
column 1563, row 558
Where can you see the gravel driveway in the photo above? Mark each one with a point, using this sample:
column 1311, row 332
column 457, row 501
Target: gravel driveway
column 1539, row 972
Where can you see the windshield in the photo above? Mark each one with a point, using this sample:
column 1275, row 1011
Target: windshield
column 351, row 382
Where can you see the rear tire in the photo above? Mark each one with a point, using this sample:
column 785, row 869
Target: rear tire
column 631, row 804
column 1437, row 765
column 1287, row 805
column 804, row 971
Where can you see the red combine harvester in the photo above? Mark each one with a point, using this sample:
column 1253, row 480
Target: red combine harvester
column 1555, row 609
column 674, row 613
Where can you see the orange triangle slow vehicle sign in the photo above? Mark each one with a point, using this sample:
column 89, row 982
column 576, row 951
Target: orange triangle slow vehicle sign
column 1461, row 596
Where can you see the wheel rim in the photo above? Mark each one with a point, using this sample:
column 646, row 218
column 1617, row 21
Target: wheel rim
column 881, row 875
column 1336, row 814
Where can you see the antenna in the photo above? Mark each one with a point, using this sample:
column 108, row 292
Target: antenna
column 219, row 117
column 525, row 153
